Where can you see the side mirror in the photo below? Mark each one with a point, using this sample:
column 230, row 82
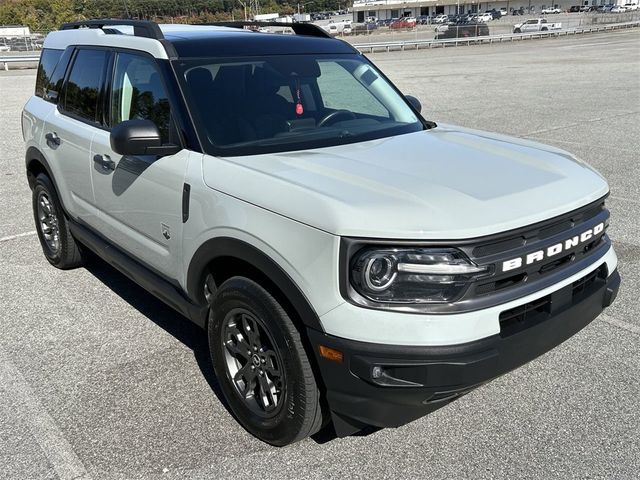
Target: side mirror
column 415, row 103
column 139, row 137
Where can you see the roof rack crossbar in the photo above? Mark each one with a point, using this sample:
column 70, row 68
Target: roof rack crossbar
column 307, row 29
column 141, row 28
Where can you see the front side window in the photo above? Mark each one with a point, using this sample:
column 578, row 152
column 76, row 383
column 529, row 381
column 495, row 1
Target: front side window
column 288, row 102
column 137, row 92
column 83, row 86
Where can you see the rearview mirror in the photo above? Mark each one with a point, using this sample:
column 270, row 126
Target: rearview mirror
column 415, row 103
column 139, row 137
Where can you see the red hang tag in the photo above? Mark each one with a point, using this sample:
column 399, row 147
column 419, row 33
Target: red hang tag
column 299, row 107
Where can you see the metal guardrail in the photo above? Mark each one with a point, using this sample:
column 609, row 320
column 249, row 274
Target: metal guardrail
column 5, row 60
column 417, row 44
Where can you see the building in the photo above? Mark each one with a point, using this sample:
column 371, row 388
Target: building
column 14, row 31
column 386, row 9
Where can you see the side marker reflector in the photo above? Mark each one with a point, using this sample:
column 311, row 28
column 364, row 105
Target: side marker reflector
column 331, row 354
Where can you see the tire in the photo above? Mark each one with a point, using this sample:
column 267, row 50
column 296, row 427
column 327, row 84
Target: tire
column 517, row 30
column 58, row 245
column 545, row 29
column 273, row 361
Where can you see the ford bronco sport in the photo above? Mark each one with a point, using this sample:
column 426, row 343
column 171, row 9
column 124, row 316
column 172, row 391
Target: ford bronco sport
column 349, row 261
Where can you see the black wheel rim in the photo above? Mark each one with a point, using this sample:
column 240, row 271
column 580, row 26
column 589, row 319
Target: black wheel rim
column 48, row 222
column 253, row 363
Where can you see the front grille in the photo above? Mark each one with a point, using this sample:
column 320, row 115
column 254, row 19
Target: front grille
column 535, row 238
column 524, row 316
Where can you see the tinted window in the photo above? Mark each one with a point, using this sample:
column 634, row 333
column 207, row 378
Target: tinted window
column 287, row 102
column 48, row 61
column 83, row 85
column 138, row 93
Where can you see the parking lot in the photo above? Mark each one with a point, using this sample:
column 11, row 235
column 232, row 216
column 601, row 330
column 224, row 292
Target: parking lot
column 100, row 380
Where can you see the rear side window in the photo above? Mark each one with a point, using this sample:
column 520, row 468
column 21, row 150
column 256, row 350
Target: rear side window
column 82, row 89
column 48, row 61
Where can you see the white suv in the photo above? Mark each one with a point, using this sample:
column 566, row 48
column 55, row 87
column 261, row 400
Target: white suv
column 349, row 260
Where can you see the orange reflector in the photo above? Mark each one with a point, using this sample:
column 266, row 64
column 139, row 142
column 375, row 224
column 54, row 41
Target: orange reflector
column 331, row 354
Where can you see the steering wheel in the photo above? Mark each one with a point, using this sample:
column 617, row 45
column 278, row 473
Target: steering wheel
column 333, row 116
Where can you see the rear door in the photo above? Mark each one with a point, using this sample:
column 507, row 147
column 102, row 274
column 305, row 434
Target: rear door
column 140, row 197
column 69, row 130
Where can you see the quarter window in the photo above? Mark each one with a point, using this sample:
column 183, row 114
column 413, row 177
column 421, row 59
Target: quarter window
column 83, row 86
column 48, row 61
column 138, row 93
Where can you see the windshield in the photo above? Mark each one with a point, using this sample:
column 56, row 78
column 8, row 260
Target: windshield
column 278, row 103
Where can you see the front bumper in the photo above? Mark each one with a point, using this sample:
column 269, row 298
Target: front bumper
column 389, row 385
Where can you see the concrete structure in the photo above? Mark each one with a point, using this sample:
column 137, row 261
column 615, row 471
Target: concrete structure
column 385, row 9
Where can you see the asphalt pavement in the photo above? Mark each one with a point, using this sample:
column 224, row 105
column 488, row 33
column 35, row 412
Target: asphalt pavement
column 100, row 380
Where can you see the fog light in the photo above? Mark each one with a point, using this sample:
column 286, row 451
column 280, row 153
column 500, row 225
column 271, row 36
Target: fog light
column 376, row 372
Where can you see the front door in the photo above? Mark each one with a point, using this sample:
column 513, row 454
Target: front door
column 140, row 197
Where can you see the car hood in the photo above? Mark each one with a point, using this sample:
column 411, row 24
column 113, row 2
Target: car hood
column 444, row 183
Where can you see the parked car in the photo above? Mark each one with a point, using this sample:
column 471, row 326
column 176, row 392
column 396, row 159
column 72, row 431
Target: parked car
column 404, row 22
column 484, row 17
column 462, row 30
column 631, row 7
column 618, row 9
column 550, row 10
column 503, row 12
column 517, row 12
column 605, row 8
column 442, row 18
column 574, row 8
column 5, row 48
column 536, row 25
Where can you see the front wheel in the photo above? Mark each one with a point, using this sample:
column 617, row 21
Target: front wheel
column 261, row 364
column 517, row 30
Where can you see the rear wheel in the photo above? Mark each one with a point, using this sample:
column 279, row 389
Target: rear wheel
column 58, row 245
column 261, row 364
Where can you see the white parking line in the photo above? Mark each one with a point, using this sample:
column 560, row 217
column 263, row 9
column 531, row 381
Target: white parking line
column 43, row 428
column 629, row 327
column 13, row 237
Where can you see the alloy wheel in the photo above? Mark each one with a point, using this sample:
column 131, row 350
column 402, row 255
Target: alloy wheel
column 253, row 363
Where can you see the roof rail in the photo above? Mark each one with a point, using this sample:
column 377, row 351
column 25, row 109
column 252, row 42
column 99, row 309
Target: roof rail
column 141, row 28
column 308, row 29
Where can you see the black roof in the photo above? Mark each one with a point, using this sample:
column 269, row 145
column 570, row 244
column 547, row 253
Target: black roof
column 234, row 42
column 227, row 38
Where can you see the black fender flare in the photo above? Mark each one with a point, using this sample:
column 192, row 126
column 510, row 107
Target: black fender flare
column 231, row 247
column 35, row 155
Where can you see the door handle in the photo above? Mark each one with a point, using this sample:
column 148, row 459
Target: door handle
column 105, row 162
column 53, row 140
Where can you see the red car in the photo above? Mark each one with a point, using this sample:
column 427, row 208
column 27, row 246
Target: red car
column 404, row 22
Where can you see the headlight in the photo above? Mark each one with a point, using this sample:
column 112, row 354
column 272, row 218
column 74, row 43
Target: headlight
column 412, row 275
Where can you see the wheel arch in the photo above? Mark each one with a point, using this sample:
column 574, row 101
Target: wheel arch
column 36, row 163
column 225, row 257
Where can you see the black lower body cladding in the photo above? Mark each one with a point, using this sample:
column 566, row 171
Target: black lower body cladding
column 389, row 386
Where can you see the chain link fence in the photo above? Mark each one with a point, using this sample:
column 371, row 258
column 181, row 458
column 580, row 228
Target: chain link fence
column 505, row 25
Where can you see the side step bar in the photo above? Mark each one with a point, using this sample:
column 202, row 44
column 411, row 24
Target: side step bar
column 143, row 276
